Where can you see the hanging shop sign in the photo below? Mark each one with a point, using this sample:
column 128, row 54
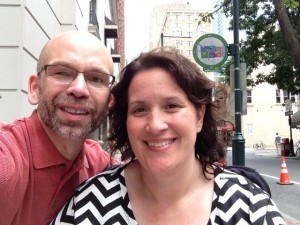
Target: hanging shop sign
column 211, row 52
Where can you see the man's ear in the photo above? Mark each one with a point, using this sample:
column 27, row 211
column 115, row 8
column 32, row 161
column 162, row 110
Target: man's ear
column 111, row 101
column 33, row 92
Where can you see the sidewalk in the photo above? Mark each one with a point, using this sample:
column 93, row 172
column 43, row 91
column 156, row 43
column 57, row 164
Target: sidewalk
column 272, row 152
column 290, row 221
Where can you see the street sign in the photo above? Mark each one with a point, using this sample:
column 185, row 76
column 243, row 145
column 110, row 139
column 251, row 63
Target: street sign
column 288, row 105
column 289, row 113
column 211, row 52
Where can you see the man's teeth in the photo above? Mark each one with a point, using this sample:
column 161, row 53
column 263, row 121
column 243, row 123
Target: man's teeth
column 75, row 111
column 160, row 144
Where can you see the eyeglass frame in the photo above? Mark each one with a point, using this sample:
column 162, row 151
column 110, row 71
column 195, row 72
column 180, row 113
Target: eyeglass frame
column 44, row 68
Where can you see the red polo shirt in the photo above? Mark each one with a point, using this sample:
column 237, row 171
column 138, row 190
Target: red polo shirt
column 35, row 180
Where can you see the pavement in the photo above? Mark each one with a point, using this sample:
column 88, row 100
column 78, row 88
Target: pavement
column 272, row 152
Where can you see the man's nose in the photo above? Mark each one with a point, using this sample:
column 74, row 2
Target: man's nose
column 79, row 87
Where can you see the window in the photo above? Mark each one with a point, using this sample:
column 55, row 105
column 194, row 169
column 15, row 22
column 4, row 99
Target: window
column 177, row 16
column 189, row 43
column 189, row 34
column 177, row 43
column 93, row 16
column 293, row 98
column 249, row 96
column 177, row 33
column 278, row 96
column 189, row 16
column 201, row 32
column 285, row 96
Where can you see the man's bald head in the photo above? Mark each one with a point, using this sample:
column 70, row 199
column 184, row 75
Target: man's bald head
column 77, row 44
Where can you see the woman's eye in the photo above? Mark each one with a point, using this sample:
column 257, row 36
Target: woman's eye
column 172, row 106
column 139, row 110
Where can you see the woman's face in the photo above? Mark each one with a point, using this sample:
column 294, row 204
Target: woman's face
column 162, row 123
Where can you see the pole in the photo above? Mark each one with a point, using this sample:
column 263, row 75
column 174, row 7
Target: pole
column 161, row 39
column 292, row 153
column 238, row 141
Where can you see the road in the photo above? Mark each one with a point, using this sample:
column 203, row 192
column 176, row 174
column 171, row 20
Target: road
column 268, row 164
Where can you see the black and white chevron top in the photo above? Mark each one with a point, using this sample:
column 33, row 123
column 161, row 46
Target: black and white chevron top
column 103, row 199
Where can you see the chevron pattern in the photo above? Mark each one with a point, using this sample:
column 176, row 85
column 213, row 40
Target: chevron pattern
column 238, row 201
column 104, row 200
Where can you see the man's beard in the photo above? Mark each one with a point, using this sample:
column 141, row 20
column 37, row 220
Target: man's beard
column 70, row 129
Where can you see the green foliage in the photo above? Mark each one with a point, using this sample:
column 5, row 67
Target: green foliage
column 292, row 4
column 264, row 44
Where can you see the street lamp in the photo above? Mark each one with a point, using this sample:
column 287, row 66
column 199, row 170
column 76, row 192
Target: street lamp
column 238, row 141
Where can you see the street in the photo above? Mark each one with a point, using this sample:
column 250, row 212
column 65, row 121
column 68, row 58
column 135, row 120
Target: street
column 268, row 164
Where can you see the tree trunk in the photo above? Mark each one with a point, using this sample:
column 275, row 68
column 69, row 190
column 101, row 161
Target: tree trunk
column 288, row 32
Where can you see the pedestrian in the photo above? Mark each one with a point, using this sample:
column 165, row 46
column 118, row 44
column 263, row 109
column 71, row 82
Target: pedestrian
column 277, row 140
column 45, row 156
column 164, row 123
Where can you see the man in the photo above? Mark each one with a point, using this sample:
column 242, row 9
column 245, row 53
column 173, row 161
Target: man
column 277, row 140
column 44, row 157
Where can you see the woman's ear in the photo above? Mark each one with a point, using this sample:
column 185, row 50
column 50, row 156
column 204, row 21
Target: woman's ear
column 33, row 92
column 200, row 116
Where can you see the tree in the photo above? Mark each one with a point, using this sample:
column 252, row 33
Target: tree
column 289, row 36
column 272, row 30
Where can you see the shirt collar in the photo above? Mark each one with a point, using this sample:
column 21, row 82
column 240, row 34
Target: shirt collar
column 43, row 151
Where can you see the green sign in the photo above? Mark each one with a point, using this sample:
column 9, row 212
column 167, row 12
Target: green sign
column 210, row 51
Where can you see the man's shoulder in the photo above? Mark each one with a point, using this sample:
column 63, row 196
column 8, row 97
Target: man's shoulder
column 97, row 155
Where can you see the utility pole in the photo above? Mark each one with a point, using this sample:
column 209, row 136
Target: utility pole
column 238, row 141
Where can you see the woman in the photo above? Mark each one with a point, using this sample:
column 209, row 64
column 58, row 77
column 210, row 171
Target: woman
column 164, row 125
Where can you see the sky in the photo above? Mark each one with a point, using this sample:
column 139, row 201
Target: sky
column 137, row 22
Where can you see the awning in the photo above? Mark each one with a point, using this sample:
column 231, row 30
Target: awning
column 295, row 120
column 110, row 29
column 225, row 128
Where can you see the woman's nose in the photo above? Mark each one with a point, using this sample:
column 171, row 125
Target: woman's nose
column 156, row 123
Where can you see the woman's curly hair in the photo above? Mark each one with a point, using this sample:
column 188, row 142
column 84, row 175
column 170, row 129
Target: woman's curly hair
column 196, row 85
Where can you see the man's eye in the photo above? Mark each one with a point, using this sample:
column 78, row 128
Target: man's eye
column 95, row 79
column 63, row 73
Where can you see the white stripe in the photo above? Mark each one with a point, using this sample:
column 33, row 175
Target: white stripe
column 276, row 178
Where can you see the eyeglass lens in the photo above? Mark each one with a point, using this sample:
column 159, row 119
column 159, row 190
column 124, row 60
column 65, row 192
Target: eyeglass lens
column 66, row 75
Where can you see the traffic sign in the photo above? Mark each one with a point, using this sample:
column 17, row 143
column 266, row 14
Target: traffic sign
column 289, row 113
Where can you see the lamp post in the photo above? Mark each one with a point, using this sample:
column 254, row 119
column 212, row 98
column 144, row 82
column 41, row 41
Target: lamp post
column 289, row 112
column 292, row 153
column 238, row 141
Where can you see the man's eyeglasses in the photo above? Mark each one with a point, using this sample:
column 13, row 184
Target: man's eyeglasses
column 66, row 75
